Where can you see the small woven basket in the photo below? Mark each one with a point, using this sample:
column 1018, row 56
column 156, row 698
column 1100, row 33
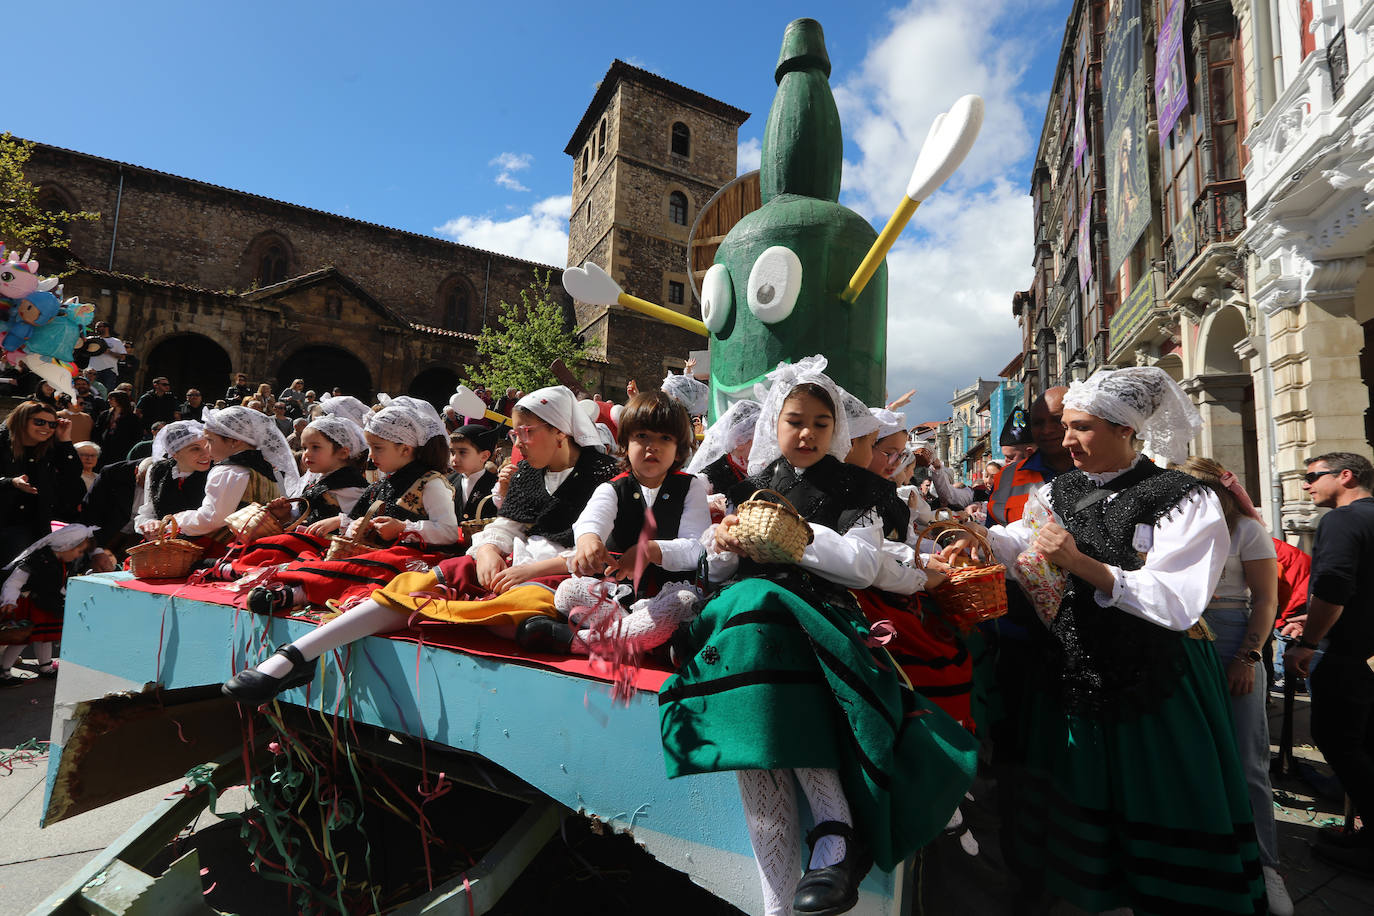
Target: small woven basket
column 341, row 547
column 474, row 525
column 256, row 521
column 771, row 531
column 971, row 593
column 166, row 556
column 15, row 632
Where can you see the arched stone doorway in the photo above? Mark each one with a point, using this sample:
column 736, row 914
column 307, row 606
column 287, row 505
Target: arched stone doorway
column 1225, row 392
column 435, row 385
column 190, row 361
column 325, row 368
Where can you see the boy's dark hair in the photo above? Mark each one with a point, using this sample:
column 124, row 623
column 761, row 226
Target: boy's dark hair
column 815, row 391
column 1357, row 465
column 655, row 412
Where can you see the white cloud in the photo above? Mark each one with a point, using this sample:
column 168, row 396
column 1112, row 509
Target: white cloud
column 507, row 165
column 539, row 235
column 748, row 155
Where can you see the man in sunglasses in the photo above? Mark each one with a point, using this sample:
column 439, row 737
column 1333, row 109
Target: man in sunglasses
column 1340, row 620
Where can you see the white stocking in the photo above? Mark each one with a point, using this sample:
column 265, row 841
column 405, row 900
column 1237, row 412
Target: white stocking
column 825, row 795
column 10, row 657
column 651, row 622
column 42, row 653
column 770, row 811
column 367, row 618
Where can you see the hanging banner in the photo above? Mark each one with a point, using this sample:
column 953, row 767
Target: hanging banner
column 1085, row 248
column 1133, row 312
column 1080, row 125
column 1171, row 74
column 1123, row 105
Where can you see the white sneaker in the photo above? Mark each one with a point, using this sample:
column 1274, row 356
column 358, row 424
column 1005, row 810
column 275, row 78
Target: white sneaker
column 1280, row 904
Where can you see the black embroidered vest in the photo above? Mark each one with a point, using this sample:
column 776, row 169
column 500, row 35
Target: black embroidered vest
column 1103, row 660
column 319, row 503
column 551, row 515
column 170, row 494
column 47, row 584
column 629, row 520
column 722, row 474
column 394, row 491
column 467, row 509
column 831, row 493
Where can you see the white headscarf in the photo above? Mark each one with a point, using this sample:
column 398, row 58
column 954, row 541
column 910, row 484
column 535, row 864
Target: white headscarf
column 1147, row 400
column 557, row 407
column 259, row 431
column 781, row 381
column 342, row 432
column 406, row 420
column 688, row 392
column 64, row 538
column 345, row 405
column 861, row 419
column 734, row 428
column 889, row 421
column 174, row 437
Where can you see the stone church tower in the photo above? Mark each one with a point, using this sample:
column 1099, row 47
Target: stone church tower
column 647, row 155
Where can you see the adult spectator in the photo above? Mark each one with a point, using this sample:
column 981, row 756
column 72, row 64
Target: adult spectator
column 280, row 418
column 118, row 428
column 83, row 424
column 1340, row 621
column 507, row 403
column 293, row 441
column 1015, row 482
column 40, row 476
column 110, row 505
column 294, row 397
column 89, row 453
column 45, row 394
column 143, row 448
column 97, row 387
column 193, row 406
column 264, row 394
column 236, row 392
column 158, row 404
column 105, row 366
column 91, row 401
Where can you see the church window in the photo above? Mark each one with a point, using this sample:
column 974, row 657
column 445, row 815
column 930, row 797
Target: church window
column 677, row 293
column 272, row 264
column 677, row 208
column 601, row 141
column 454, row 298
column 682, row 140
column 584, row 166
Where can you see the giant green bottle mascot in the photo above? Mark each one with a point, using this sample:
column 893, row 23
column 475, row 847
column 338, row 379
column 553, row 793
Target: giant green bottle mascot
column 803, row 274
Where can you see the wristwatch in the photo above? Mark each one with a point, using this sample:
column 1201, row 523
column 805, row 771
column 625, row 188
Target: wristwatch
column 1304, row 644
column 1249, row 656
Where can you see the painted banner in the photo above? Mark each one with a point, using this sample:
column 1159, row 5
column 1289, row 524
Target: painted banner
column 1080, row 124
column 1123, row 105
column 1171, row 74
column 1085, row 248
column 1133, row 312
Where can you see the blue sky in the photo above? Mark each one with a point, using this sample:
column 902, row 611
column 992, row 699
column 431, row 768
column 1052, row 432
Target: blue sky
column 451, row 119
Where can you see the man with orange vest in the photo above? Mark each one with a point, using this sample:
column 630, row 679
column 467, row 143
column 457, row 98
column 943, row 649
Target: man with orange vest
column 1015, row 482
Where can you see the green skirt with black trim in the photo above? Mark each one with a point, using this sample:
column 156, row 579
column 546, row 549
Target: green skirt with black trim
column 778, row 682
column 1149, row 812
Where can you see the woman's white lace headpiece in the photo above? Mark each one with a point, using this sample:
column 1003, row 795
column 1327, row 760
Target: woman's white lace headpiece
column 688, row 392
column 259, row 431
column 174, row 437
column 346, row 405
column 734, row 428
column 557, row 407
column 1147, row 400
column 861, row 420
column 781, row 381
column 343, row 432
column 64, row 538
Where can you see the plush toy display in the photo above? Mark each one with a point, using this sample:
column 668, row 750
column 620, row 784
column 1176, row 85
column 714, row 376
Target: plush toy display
column 40, row 331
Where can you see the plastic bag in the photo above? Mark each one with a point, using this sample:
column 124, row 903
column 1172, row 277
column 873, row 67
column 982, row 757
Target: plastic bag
column 1044, row 582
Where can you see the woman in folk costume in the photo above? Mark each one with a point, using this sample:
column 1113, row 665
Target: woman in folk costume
column 1136, row 796
column 335, row 449
column 36, row 590
column 175, row 481
column 408, row 444
column 509, row 574
column 783, row 685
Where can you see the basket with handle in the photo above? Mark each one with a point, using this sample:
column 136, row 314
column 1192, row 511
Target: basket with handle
column 771, row 530
column 256, row 521
column 341, row 547
column 15, row 632
column 473, row 525
column 166, row 556
column 972, row 591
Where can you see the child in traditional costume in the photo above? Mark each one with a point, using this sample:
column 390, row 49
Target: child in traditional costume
column 409, row 445
column 175, row 481
column 511, row 571
column 36, row 590
column 470, row 450
column 786, row 688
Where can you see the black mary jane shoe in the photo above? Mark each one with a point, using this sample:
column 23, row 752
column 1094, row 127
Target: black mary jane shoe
column 251, row 687
column 834, row 889
column 268, row 599
column 546, row 635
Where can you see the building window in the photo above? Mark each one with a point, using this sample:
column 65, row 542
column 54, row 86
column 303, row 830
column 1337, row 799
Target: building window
column 272, row 265
column 589, row 213
column 584, row 166
column 676, row 293
column 1225, row 124
column 677, row 208
column 682, row 140
column 454, row 299
column 601, row 141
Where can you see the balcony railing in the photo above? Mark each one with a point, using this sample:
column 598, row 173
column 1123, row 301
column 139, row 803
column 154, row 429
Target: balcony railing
column 1218, row 216
column 1338, row 63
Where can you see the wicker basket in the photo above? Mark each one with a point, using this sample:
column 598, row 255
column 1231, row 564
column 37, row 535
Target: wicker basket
column 771, row 531
column 166, row 556
column 341, row 547
column 15, row 632
column 971, row 593
column 474, row 525
column 255, row 521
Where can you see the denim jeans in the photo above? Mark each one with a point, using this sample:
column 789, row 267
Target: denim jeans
column 1251, row 724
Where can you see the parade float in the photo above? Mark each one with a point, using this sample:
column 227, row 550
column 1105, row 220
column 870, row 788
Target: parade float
column 395, row 728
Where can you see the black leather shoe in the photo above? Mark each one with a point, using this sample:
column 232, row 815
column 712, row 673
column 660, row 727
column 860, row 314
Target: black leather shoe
column 251, row 687
column 544, row 634
column 835, row 888
column 268, row 599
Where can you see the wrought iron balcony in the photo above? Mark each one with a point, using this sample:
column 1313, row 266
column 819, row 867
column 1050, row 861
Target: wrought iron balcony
column 1218, row 216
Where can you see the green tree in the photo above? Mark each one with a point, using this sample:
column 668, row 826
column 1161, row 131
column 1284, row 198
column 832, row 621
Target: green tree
column 23, row 223
column 517, row 349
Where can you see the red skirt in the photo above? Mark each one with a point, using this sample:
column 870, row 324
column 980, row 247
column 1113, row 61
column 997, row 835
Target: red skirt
column 357, row 577
column 47, row 623
column 934, row 660
column 275, row 550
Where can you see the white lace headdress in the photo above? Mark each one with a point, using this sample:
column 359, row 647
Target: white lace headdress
column 259, row 431
column 781, row 381
column 1147, row 400
column 861, row 419
column 734, row 428
column 406, row 420
column 342, row 432
column 64, row 538
column 174, row 437
column 889, row 421
column 688, row 392
column 346, row 405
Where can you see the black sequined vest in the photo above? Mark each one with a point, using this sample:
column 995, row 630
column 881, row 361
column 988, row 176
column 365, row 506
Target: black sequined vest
column 551, row 515
column 170, row 494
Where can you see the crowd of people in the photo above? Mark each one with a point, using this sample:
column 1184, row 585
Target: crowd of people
column 1123, row 716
